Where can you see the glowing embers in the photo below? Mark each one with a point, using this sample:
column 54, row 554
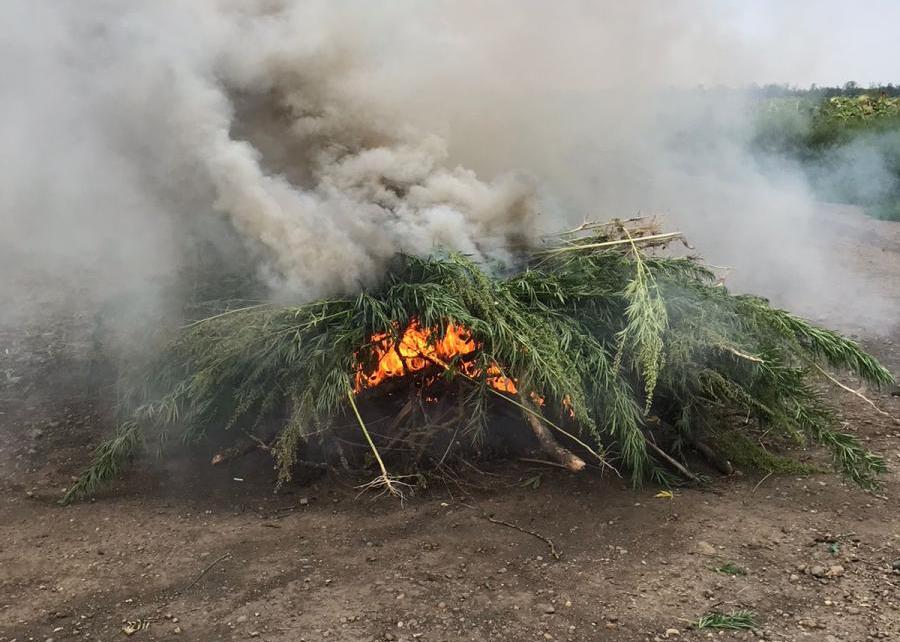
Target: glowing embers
column 418, row 349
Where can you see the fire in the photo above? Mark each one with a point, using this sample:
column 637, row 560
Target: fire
column 417, row 350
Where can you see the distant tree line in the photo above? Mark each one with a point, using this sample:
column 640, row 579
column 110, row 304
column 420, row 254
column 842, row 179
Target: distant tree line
column 849, row 88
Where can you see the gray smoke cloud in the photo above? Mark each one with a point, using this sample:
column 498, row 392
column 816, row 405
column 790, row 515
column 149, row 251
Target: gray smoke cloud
column 321, row 138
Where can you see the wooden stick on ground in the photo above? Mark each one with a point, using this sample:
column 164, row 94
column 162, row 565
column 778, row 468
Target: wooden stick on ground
column 547, row 540
column 493, row 520
column 205, row 571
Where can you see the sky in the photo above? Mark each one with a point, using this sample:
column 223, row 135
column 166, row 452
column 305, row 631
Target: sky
column 826, row 42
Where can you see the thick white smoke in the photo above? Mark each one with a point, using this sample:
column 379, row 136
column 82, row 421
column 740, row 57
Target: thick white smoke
column 331, row 135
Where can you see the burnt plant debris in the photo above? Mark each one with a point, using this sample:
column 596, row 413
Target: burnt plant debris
column 603, row 349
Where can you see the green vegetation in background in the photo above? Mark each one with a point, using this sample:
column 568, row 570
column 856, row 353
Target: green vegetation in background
column 849, row 145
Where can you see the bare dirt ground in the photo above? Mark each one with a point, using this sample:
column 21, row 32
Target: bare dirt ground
column 193, row 554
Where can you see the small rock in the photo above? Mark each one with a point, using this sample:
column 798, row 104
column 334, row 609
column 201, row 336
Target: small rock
column 388, row 636
column 177, row 630
column 672, row 633
column 896, row 565
column 304, row 501
column 835, row 571
column 818, row 571
column 254, row 634
column 706, row 548
column 545, row 608
column 241, row 619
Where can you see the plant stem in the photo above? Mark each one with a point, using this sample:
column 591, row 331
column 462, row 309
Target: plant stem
column 857, row 393
column 628, row 241
column 368, row 437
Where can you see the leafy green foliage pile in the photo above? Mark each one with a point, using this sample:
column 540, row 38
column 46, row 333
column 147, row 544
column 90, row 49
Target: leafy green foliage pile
column 632, row 352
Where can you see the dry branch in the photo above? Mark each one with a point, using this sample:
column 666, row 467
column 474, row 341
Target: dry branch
column 548, row 444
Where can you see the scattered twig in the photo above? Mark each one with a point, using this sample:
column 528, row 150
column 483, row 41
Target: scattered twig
column 205, row 571
column 549, row 542
column 546, row 540
column 760, row 482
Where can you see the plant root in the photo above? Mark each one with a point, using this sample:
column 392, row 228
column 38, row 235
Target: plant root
column 384, row 482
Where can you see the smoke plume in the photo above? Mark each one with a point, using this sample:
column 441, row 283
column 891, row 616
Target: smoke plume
column 315, row 140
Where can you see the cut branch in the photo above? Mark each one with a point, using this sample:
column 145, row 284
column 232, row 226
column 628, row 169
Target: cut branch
column 548, row 444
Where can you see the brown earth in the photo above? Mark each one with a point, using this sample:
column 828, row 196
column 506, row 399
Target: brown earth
column 198, row 555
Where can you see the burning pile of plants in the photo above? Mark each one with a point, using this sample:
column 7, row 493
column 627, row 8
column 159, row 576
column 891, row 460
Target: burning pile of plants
column 609, row 351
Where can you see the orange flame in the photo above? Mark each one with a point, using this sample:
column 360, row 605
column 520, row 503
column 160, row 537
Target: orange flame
column 416, row 351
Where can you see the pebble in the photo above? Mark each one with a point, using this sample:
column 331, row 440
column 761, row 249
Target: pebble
column 896, row 565
column 818, row 571
column 706, row 548
column 241, row 619
column 835, row 571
